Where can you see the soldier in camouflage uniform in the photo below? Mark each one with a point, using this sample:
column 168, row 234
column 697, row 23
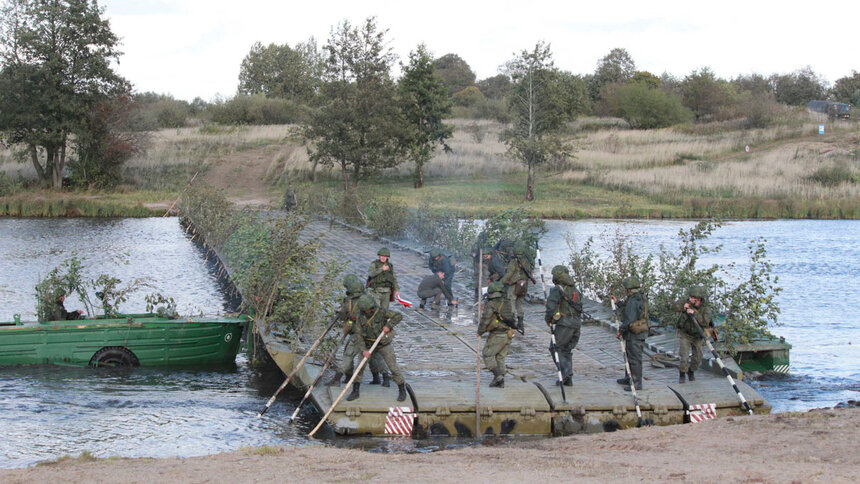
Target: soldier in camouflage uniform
column 372, row 321
column 515, row 273
column 381, row 279
column 694, row 306
column 347, row 314
column 439, row 262
column 632, row 309
column 57, row 310
column 497, row 319
column 564, row 310
column 495, row 263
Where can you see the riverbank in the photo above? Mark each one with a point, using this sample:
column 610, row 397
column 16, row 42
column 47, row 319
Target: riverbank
column 706, row 170
column 817, row 446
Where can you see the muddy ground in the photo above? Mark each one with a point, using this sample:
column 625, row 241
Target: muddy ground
column 817, row 446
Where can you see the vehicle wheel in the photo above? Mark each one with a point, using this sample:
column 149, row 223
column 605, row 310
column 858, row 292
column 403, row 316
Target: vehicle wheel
column 114, row 356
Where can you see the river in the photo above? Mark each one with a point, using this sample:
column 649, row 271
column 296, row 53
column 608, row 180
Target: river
column 47, row 412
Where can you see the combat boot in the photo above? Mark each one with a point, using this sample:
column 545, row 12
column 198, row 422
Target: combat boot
column 681, row 377
column 335, row 379
column 401, row 392
column 355, row 393
column 347, row 378
column 423, row 303
column 638, row 387
column 386, row 379
column 568, row 381
column 691, row 375
column 623, row 381
column 376, row 380
column 521, row 327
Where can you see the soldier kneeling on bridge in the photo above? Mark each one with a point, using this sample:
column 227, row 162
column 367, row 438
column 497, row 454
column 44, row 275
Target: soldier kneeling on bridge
column 371, row 322
column 497, row 319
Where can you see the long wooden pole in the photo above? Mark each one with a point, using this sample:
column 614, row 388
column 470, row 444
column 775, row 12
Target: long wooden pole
column 319, row 377
column 348, row 384
column 297, row 368
column 478, row 353
column 720, row 363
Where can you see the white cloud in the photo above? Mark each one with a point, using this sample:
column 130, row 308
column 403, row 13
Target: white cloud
column 193, row 48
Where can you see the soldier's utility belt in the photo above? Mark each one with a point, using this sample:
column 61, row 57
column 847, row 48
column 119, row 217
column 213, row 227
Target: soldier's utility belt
column 638, row 326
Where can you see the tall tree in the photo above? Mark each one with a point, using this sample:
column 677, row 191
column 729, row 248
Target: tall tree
column 455, row 72
column 358, row 125
column 55, row 57
column 495, row 87
column 282, row 71
column 425, row 104
column 615, row 67
column 540, row 108
column 800, row 87
column 703, row 93
column 847, row 89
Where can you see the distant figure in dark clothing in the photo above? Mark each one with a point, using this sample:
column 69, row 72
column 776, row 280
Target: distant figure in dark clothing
column 433, row 286
column 58, row 310
column 438, row 261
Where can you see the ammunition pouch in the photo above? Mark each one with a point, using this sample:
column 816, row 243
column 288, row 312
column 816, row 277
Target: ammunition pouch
column 638, row 326
column 521, row 287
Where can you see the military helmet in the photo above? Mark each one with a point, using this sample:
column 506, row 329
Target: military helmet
column 349, row 279
column 698, row 292
column 434, row 253
column 495, row 290
column 631, row 282
column 559, row 270
column 519, row 249
column 59, row 292
column 356, row 287
column 384, row 251
column 366, row 303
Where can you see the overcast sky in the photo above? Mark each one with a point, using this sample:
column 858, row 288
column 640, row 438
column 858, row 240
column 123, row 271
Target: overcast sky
column 191, row 48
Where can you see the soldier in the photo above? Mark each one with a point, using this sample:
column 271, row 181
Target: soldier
column 373, row 320
column 438, row 261
column 516, row 281
column 495, row 263
column 381, row 279
column 433, row 286
column 348, row 313
column 693, row 307
column 564, row 310
column 633, row 312
column 57, row 311
column 497, row 319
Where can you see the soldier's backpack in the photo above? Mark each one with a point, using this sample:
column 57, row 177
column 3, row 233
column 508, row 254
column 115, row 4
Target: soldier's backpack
column 641, row 324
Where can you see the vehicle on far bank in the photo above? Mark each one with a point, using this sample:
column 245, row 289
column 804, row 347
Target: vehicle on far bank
column 830, row 108
column 124, row 341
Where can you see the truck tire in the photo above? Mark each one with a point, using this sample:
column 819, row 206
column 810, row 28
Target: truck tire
column 114, row 357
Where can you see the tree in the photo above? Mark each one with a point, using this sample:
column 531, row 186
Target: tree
column 55, row 58
column 104, row 143
column 800, row 87
column 455, row 72
column 616, row 66
column 847, row 89
column 646, row 78
column 425, row 103
column 358, row 125
column 644, row 107
column 704, row 94
column 539, row 106
column 281, row 71
column 495, row 87
column 756, row 84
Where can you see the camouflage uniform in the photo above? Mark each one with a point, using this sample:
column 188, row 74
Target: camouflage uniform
column 564, row 310
column 439, row 262
column 514, row 272
column 382, row 283
column 366, row 329
column 690, row 337
column 57, row 311
column 495, row 266
column 348, row 314
column 500, row 334
column 634, row 308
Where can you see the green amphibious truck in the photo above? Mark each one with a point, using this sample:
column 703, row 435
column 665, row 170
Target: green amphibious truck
column 127, row 340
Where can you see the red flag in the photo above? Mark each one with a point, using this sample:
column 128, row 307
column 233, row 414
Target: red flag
column 404, row 302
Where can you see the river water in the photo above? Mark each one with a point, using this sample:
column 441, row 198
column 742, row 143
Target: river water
column 48, row 412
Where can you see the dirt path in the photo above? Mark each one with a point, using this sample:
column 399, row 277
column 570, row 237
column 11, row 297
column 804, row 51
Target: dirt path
column 817, row 446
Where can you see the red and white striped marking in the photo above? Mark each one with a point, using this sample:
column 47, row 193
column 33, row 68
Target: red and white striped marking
column 399, row 421
column 705, row 411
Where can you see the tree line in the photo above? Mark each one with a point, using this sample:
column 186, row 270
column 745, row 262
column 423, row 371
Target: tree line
column 61, row 102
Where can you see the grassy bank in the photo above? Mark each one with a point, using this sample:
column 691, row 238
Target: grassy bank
column 790, row 171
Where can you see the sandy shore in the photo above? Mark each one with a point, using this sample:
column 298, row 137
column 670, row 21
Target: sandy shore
column 817, row 446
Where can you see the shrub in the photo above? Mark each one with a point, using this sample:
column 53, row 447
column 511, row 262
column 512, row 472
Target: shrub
column 644, row 107
column 832, row 175
column 258, row 109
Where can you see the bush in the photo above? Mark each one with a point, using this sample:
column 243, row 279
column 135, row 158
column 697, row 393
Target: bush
column 387, row 216
column 494, row 109
column 258, row 109
column 832, row 175
column 644, row 107
column 9, row 186
column 158, row 111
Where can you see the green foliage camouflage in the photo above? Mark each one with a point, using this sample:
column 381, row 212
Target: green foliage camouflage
column 750, row 304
